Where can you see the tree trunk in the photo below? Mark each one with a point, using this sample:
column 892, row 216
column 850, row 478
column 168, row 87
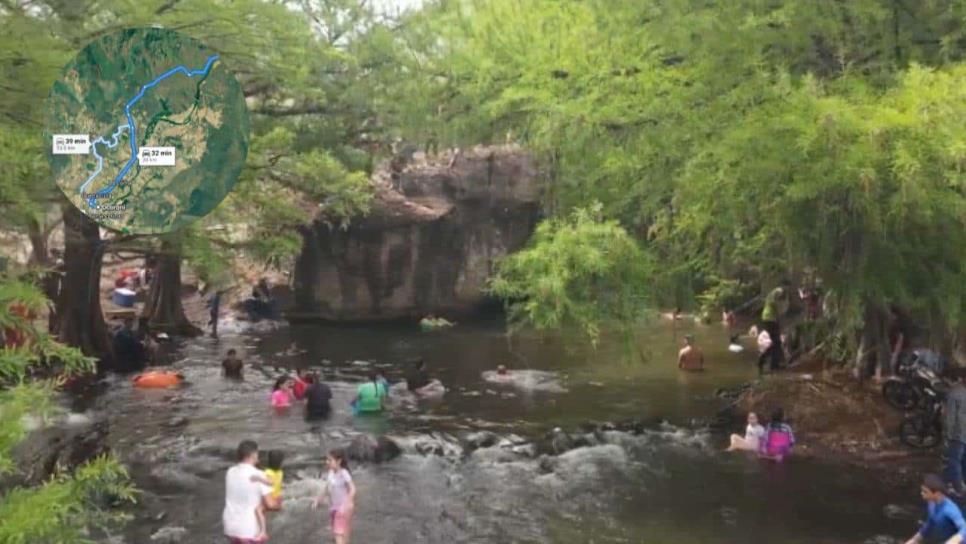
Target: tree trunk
column 49, row 280
column 80, row 320
column 163, row 309
column 39, row 250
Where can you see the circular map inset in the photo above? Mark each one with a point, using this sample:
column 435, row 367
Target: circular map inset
column 147, row 130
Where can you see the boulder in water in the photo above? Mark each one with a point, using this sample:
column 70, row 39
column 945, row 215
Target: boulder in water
column 170, row 535
column 882, row 539
column 479, row 439
column 895, row 511
column 367, row 449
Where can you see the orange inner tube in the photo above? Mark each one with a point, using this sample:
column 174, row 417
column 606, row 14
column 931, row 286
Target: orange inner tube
column 157, row 379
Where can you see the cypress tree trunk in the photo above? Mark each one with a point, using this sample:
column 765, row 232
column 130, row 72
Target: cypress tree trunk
column 80, row 322
column 163, row 309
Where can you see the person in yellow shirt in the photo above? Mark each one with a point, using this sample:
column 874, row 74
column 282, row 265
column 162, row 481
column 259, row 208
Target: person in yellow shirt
column 273, row 477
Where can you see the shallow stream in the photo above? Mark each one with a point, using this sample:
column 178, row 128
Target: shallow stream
column 670, row 484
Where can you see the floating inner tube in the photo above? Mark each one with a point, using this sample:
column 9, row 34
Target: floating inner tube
column 157, row 379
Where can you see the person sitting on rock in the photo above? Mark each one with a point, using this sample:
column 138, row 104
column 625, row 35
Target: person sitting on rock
column 754, row 433
column 129, row 351
column 419, row 382
column 779, row 438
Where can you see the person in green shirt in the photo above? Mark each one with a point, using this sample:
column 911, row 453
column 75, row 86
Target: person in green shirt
column 371, row 396
column 774, row 306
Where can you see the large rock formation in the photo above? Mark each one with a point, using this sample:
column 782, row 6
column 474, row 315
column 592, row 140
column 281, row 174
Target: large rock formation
column 429, row 243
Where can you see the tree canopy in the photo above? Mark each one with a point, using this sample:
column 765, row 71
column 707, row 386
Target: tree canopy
column 740, row 142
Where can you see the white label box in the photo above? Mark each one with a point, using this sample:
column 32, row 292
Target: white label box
column 71, row 144
column 156, row 156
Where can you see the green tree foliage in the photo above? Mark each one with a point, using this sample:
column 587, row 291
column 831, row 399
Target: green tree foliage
column 301, row 66
column 744, row 141
column 578, row 271
column 64, row 509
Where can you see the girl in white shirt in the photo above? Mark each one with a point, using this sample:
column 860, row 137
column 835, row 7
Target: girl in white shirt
column 341, row 494
column 754, row 433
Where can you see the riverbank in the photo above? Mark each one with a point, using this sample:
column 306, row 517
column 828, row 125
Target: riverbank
column 838, row 419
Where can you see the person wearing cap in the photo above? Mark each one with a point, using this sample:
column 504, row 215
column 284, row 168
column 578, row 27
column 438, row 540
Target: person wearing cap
column 944, row 522
column 690, row 357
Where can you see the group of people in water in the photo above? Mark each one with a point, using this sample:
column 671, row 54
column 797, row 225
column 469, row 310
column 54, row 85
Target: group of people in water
column 252, row 489
column 251, row 492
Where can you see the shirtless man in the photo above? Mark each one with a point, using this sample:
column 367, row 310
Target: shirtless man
column 690, row 357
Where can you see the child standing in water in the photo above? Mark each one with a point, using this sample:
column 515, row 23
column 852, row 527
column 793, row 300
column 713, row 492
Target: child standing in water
column 341, row 493
column 275, row 474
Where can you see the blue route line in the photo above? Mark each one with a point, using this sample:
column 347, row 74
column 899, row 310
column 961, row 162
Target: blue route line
column 92, row 199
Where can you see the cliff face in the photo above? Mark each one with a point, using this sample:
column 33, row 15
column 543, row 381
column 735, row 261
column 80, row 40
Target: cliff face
column 428, row 245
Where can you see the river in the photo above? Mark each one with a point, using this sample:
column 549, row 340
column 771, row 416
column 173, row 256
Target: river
column 669, row 485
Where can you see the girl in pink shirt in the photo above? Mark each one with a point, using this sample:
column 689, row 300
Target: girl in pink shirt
column 282, row 393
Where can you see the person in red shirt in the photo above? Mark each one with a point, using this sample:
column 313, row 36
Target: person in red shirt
column 301, row 384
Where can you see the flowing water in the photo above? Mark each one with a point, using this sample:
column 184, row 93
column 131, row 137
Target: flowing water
column 669, row 485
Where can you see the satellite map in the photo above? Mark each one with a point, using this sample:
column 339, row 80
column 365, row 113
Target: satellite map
column 147, row 130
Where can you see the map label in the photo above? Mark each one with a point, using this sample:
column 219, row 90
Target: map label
column 156, row 156
column 71, row 144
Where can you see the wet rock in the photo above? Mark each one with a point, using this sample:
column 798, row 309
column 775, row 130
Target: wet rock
column 901, row 512
column 367, row 449
column 525, row 450
column 587, row 440
column 170, row 535
column 546, row 464
column 448, row 219
column 732, row 394
column 176, row 422
column 175, row 477
column 560, row 442
column 729, row 515
column 438, row 444
column 882, row 539
column 49, row 449
column 480, row 439
column 75, row 419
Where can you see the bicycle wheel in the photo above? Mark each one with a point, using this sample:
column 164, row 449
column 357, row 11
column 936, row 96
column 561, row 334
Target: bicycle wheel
column 920, row 431
column 901, row 394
